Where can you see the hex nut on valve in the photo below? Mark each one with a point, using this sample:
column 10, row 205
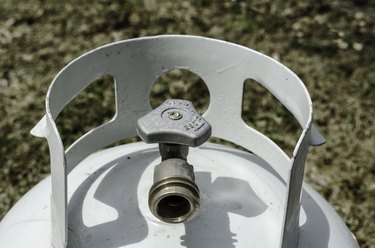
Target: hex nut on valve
column 174, row 196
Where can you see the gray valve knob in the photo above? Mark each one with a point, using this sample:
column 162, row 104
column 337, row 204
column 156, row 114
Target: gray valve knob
column 174, row 122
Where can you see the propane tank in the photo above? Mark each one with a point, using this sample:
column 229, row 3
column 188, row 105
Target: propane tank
column 174, row 189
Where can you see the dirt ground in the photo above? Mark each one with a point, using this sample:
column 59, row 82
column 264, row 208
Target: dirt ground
column 328, row 44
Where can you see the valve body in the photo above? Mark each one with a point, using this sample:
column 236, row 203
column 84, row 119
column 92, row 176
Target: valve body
column 174, row 196
column 175, row 125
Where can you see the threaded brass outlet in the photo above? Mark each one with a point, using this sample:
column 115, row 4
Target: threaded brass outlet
column 174, row 196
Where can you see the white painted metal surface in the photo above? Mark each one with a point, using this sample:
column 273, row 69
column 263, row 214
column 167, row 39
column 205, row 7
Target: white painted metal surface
column 272, row 180
column 241, row 205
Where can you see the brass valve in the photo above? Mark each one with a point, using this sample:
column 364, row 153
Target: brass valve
column 175, row 125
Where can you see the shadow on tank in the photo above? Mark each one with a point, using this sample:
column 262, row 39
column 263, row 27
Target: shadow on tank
column 119, row 197
column 219, row 198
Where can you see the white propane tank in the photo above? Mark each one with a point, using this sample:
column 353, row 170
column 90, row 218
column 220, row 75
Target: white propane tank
column 100, row 198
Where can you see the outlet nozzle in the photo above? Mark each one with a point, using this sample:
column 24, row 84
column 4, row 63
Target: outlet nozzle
column 174, row 196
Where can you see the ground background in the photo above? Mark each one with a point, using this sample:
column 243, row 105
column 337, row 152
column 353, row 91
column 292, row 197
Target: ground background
column 329, row 44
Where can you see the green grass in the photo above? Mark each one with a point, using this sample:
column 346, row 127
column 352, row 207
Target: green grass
column 329, row 44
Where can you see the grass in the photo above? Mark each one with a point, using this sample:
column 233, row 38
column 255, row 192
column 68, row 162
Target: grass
column 329, row 44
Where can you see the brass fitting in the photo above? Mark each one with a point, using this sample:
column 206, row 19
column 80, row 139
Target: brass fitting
column 174, row 196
